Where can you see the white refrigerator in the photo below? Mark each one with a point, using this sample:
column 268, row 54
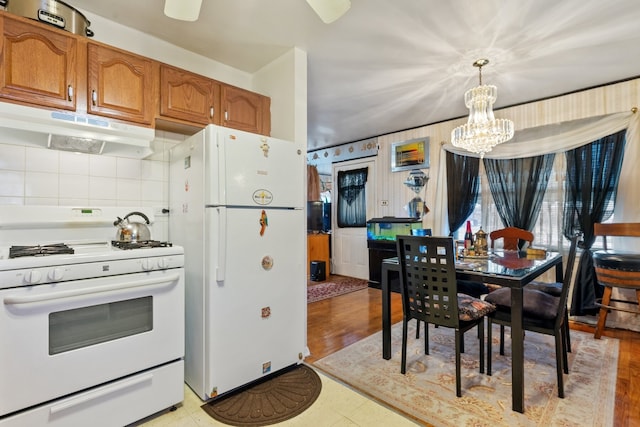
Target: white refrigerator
column 237, row 208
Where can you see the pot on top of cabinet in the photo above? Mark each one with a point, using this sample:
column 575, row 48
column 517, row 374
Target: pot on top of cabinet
column 53, row 12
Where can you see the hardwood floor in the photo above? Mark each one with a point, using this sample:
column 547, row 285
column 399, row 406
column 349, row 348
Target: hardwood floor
column 337, row 322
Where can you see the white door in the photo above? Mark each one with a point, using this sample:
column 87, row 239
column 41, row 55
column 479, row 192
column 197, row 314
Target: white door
column 350, row 255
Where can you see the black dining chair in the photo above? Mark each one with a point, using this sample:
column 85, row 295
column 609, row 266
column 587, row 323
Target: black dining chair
column 541, row 312
column 430, row 295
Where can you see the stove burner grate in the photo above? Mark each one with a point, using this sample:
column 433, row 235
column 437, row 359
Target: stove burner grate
column 140, row 244
column 39, row 250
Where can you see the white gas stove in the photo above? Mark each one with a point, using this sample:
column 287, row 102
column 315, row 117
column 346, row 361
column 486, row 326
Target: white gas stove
column 92, row 326
column 87, row 260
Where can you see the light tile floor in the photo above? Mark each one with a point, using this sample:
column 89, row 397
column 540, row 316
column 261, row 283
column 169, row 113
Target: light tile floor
column 337, row 406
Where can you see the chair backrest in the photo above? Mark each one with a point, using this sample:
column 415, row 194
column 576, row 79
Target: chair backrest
column 621, row 229
column 428, row 279
column 568, row 277
column 511, row 237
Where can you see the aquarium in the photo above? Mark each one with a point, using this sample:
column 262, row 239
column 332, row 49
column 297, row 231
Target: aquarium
column 387, row 228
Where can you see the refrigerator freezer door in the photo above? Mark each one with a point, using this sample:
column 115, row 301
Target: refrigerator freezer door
column 256, row 318
column 245, row 169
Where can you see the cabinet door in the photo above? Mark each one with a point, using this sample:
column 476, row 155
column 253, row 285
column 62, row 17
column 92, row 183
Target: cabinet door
column 119, row 84
column 188, row 96
column 318, row 250
column 37, row 66
column 245, row 110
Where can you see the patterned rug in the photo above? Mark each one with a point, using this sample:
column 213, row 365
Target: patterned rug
column 427, row 391
column 336, row 285
column 274, row 400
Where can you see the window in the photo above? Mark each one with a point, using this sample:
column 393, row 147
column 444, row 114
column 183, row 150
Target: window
column 548, row 228
column 352, row 201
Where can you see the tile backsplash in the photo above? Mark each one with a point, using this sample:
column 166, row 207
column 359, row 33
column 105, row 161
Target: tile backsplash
column 41, row 176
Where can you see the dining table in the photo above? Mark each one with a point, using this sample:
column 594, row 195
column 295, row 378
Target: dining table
column 512, row 269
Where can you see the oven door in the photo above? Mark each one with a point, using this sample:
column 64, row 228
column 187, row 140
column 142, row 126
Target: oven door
column 64, row 337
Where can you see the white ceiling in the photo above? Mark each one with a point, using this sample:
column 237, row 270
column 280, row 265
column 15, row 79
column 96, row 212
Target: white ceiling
column 389, row 65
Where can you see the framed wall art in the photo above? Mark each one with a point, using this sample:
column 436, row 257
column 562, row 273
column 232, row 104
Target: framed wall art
column 411, row 154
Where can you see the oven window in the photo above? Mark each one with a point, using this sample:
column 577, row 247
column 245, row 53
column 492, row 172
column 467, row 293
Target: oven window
column 86, row 326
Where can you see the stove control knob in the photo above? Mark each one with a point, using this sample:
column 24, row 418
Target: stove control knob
column 56, row 274
column 33, row 276
column 163, row 263
column 147, row 264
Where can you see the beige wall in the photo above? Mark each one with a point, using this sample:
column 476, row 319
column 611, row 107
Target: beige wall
column 389, row 186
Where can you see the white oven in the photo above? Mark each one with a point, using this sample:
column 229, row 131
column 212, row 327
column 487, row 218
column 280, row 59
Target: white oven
column 95, row 337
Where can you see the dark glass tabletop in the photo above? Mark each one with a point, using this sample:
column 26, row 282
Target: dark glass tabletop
column 506, row 263
column 510, row 266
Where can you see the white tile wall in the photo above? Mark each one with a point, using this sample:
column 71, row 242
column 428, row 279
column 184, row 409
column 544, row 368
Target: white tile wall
column 40, row 176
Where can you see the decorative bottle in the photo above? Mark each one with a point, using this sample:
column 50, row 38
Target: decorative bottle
column 468, row 237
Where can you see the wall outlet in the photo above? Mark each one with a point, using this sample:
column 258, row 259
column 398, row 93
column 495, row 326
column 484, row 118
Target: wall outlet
column 384, row 203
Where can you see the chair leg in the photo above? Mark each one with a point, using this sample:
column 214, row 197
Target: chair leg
column 489, row 337
column 459, row 337
column 566, row 331
column 502, row 340
column 602, row 317
column 565, row 358
column 403, row 363
column 560, row 355
column 417, row 329
column 426, row 338
column 481, row 335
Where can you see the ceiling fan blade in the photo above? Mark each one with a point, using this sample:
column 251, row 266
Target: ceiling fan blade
column 329, row 10
column 184, row 10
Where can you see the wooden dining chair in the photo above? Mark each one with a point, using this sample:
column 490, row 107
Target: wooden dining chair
column 430, row 294
column 541, row 312
column 615, row 269
column 511, row 237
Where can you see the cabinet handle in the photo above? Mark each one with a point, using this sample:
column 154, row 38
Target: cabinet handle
column 70, row 93
column 211, row 112
column 226, row 115
column 94, row 97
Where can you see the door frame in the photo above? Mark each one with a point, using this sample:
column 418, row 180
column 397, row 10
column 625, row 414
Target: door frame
column 350, row 255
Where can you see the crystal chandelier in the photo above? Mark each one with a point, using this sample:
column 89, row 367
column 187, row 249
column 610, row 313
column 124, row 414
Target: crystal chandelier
column 482, row 131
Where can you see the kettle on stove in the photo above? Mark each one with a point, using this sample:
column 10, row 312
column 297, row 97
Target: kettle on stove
column 131, row 231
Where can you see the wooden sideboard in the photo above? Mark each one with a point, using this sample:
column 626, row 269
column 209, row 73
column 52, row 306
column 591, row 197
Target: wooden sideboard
column 318, row 250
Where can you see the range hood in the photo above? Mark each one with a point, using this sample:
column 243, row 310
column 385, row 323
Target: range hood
column 69, row 131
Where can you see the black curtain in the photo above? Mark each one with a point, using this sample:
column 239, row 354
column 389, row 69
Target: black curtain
column 518, row 187
column 352, row 202
column 593, row 172
column 463, row 186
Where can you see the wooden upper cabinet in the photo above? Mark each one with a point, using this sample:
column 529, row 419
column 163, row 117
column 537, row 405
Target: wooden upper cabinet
column 245, row 110
column 37, row 66
column 188, row 96
column 119, row 84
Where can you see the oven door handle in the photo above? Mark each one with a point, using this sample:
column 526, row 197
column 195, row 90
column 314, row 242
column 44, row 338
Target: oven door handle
column 96, row 394
column 17, row 299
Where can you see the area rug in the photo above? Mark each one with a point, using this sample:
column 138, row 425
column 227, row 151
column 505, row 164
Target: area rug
column 427, row 391
column 335, row 286
column 274, row 400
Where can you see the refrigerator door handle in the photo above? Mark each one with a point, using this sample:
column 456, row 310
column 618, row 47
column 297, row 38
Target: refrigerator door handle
column 222, row 245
